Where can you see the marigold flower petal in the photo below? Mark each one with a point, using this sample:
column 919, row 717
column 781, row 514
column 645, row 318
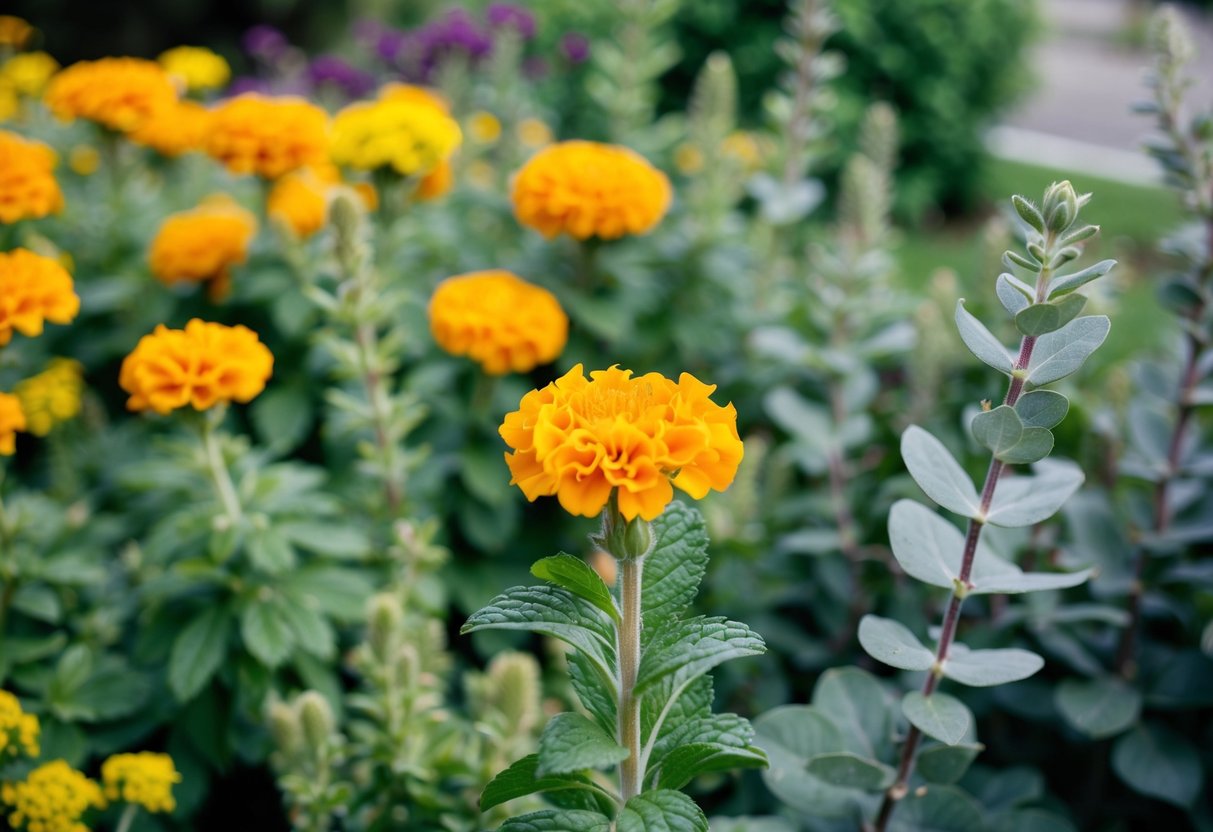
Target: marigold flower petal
column 202, row 244
column 28, row 189
column 33, row 290
column 119, row 93
column 268, row 136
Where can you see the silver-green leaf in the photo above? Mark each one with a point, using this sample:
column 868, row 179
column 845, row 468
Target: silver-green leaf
column 986, row 668
column 843, row 768
column 980, row 341
column 943, row 717
column 1050, row 316
column 1099, row 708
column 937, row 473
column 1069, row 282
column 892, row 643
column 1042, row 408
column 1028, row 500
column 1060, row 353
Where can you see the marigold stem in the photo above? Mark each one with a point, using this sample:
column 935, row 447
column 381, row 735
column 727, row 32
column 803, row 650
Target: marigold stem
column 630, row 773
column 221, row 477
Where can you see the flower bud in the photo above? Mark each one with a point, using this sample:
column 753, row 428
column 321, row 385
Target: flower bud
column 316, row 715
column 285, row 728
column 383, row 625
column 1060, row 206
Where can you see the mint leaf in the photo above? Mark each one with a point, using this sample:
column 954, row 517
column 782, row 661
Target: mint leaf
column 572, row 743
column 675, row 567
column 577, row 577
column 662, row 810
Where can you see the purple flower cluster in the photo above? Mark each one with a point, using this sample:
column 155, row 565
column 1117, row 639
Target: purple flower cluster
column 507, row 15
column 330, row 70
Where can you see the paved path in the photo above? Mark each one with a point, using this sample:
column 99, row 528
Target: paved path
column 1080, row 115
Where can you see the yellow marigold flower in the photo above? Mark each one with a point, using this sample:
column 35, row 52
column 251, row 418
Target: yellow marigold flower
column 411, row 94
column 580, row 439
column 196, row 67
column 53, row 798
column 587, row 189
column 437, row 183
column 18, row 730
column 145, row 779
column 181, row 128
column 484, row 127
column 203, row 244
column 200, row 366
column 468, row 316
column 268, row 136
column 12, row 420
column 119, row 93
column 14, row 31
column 84, row 160
column 33, row 290
column 28, row 73
column 53, row 396
column 534, row 133
column 688, row 159
column 28, row 189
column 408, row 137
column 10, row 104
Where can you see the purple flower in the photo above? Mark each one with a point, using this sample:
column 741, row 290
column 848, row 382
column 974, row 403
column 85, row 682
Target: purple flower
column 501, row 15
column 330, row 69
column 265, row 42
column 455, row 31
column 575, row 47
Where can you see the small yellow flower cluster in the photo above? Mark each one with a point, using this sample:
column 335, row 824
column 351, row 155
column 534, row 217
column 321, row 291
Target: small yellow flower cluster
column 200, row 366
column 119, row 93
column 202, row 244
column 33, row 290
column 53, row 396
column 53, row 798
column 23, row 76
column 18, row 730
column 580, row 439
column 406, row 130
column 12, row 421
column 145, row 779
column 28, row 189
column 586, row 189
column 196, row 68
column 499, row 320
column 268, row 136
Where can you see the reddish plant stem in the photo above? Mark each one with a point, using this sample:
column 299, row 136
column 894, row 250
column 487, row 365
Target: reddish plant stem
column 900, row 788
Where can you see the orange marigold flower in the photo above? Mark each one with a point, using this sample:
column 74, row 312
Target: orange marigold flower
column 202, row 365
column 203, row 244
column 28, row 189
column 175, row 130
column 587, row 189
column 33, row 290
column 299, row 201
column 580, row 439
column 268, row 136
column 14, row 31
column 437, row 183
column 119, row 93
column 499, row 320
column 12, row 420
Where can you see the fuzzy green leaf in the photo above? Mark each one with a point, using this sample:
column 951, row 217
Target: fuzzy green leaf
column 572, row 743
column 1012, row 299
column 685, row 763
column 1041, row 318
column 692, row 705
column 1160, row 763
column 1029, row 213
column 687, row 649
column 940, row 716
column 592, row 689
column 675, row 567
column 577, row 577
column 986, row 668
column 198, row 651
column 999, row 429
column 1099, row 708
column 857, row 703
column 662, row 810
column 947, row 763
column 522, row 778
column 937, row 473
column 892, row 643
column 558, row 820
column 842, row 768
column 1034, row 445
column 980, row 341
column 1060, row 353
column 1028, row 500
column 1042, row 408
column 1069, row 282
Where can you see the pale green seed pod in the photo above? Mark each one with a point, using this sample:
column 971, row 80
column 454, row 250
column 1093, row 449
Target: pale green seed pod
column 384, row 619
column 316, row 716
column 513, row 681
column 286, row 730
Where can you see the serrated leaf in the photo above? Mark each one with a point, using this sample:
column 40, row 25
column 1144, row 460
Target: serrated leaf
column 842, row 768
column 1028, row 500
column 1034, row 445
column 1099, row 708
column 662, row 810
column 999, row 429
column 1042, row 408
column 947, row 763
column 572, row 743
column 1041, row 318
column 981, row 342
column 198, row 651
column 577, row 577
column 892, row 643
column 266, row 633
column 937, row 473
column 855, row 701
column 522, row 778
column 557, row 820
column 675, row 567
column 686, row 762
column 1060, row 353
column 550, row 611
column 1069, row 282
column 592, row 689
column 1011, row 298
column 986, row 668
column 1158, row 762
column 940, row 716
column 687, row 649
